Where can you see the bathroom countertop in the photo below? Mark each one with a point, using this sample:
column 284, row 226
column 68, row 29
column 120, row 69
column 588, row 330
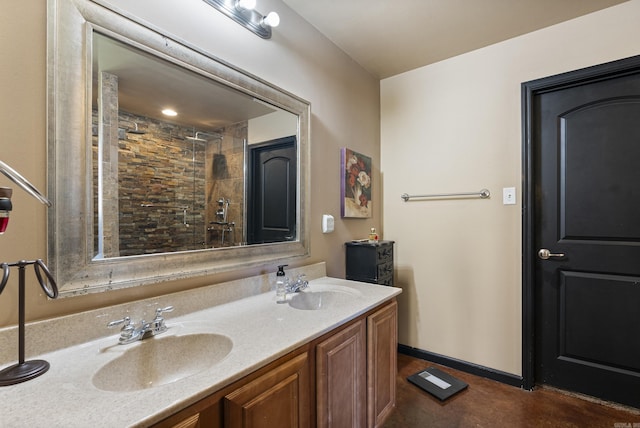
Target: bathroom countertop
column 261, row 331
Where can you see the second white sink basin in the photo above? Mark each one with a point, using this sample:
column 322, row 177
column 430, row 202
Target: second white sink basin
column 322, row 297
column 162, row 360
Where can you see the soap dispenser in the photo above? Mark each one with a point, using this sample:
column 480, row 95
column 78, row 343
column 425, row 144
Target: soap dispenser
column 281, row 285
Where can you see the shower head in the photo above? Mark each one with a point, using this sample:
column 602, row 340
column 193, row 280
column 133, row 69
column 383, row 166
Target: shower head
column 135, row 129
column 197, row 137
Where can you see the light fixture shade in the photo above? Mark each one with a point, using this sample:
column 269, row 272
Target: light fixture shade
column 239, row 11
column 245, row 4
column 272, row 20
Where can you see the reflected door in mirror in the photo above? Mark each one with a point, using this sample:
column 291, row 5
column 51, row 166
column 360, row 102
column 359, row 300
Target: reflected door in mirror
column 272, row 204
column 142, row 197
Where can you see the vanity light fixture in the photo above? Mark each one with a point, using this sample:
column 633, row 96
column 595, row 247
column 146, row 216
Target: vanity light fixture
column 271, row 20
column 245, row 4
column 243, row 13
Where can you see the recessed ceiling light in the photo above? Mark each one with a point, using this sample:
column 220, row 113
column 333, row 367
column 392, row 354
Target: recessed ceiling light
column 169, row 112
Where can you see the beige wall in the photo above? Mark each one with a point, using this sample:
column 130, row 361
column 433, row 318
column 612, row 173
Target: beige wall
column 272, row 126
column 297, row 58
column 455, row 126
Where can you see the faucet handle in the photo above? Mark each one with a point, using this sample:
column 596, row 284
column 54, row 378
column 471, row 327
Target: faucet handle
column 160, row 311
column 158, row 322
column 302, row 281
column 127, row 332
column 126, row 321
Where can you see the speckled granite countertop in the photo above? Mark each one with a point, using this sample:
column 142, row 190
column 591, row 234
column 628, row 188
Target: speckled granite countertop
column 260, row 329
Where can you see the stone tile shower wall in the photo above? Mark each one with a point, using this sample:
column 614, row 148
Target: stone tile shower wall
column 169, row 187
column 161, row 189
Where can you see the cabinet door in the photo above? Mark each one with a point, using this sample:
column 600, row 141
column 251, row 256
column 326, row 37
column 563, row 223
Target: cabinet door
column 205, row 413
column 382, row 344
column 190, row 422
column 280, row 398
column 341, row 379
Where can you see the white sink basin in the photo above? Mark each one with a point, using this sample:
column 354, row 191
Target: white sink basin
column 322, row 297
column 162, row 360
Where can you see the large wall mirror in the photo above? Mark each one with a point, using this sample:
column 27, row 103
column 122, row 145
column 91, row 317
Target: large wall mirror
column 141, row 196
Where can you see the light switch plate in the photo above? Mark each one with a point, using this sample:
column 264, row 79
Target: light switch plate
column 509, row 196
column 327, row 223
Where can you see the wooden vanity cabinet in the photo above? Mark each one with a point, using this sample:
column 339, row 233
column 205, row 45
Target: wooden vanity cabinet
column 341, row 378
column 279, row 398
column 356, row 371
column 345, row 378
column 382, row 362
column 206, row 413
column 277, row 395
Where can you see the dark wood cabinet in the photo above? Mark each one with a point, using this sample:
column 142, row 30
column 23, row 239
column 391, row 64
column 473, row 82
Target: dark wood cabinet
column 370, row 262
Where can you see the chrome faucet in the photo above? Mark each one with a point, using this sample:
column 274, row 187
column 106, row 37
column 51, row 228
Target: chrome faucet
column 300, row 284
column 130, row 333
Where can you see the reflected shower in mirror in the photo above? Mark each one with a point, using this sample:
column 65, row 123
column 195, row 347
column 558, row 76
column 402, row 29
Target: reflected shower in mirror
column 177, row 183
column 141, row 197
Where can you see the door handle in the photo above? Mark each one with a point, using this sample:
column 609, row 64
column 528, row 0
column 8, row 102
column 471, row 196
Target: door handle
column 545, row 254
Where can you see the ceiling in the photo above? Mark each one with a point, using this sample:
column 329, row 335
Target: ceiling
column 147, row 84
column 390, row 37
column 386, row 37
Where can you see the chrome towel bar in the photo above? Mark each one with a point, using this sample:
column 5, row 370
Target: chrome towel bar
column 483, row 194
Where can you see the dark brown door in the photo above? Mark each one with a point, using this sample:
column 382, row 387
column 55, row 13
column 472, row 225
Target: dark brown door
column 272, row 192
column 585, row 136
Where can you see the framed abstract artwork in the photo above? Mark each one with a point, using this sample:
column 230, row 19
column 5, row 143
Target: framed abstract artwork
column 356, row 186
